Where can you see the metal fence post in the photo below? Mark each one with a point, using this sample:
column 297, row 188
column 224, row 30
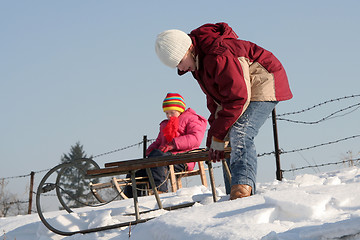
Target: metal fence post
column 276, row 145
column 144, row 145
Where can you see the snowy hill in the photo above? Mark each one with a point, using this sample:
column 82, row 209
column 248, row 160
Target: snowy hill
column 322, row 206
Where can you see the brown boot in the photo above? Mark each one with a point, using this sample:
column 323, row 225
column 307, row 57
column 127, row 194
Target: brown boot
column 240, row 191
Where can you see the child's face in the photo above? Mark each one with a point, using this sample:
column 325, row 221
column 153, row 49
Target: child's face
column 172, row 113
column 187, row 63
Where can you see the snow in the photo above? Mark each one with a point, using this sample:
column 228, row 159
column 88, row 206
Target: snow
column 321, row 206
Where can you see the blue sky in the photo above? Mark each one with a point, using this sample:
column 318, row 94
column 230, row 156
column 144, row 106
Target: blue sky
column 87, row 71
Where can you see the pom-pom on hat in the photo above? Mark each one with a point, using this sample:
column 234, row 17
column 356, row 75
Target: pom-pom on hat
column 174, row 101
column 171, row 46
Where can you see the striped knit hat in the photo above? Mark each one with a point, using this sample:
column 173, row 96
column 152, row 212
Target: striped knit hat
column 174, row 101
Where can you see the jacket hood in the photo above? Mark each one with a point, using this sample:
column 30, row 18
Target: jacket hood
column 209, row 37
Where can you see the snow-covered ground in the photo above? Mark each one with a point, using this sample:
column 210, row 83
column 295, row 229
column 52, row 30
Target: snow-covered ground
column 322, row 206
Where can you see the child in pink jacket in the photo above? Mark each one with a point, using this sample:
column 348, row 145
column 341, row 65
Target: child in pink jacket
column 182, row 131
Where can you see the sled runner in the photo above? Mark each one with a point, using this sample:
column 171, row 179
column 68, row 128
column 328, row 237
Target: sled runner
column 89, row 172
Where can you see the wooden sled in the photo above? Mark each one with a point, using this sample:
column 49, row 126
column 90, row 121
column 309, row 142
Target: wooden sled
column 90, row 170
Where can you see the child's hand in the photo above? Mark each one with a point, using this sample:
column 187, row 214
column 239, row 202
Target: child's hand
column 167, row 147
column 216, row 151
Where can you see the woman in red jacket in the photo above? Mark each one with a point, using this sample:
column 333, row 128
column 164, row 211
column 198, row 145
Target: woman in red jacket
column 242, row 82
column 182, row 131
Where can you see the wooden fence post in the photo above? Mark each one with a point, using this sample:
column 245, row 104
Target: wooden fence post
column 31, row 191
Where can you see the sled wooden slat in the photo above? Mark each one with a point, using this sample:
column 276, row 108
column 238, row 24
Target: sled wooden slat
column 123, row 167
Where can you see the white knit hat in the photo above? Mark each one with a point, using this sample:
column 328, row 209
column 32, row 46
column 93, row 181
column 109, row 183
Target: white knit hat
column 171, row 46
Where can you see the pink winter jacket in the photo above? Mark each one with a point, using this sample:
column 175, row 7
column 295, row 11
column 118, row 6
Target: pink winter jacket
column 191, row 131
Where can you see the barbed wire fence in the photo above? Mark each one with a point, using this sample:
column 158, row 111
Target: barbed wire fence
column 279, row 117
column 344, row 111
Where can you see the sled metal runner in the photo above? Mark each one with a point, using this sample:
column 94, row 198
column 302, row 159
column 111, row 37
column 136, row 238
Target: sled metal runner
column 89, row 169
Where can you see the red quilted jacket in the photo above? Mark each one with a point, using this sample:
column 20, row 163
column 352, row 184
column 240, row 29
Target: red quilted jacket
column 232, row 72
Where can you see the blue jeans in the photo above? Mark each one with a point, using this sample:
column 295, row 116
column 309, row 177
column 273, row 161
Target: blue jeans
column 243, row 156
